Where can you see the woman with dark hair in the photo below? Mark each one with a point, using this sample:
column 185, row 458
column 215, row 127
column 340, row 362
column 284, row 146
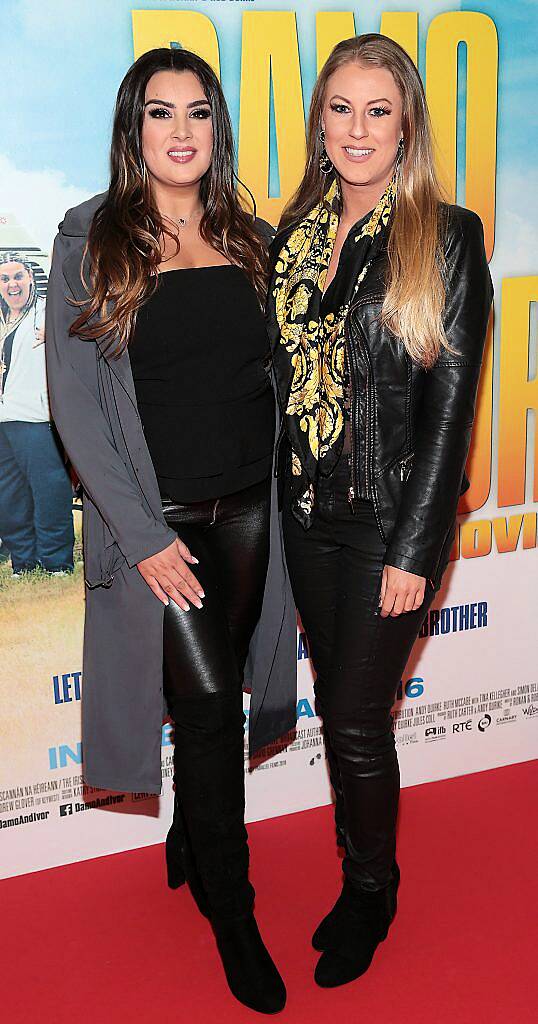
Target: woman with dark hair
column 36, row 518
column 160, row 391
column 378, row 308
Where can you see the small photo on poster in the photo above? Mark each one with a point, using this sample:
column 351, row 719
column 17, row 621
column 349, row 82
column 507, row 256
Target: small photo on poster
column 41, row 572
column 41, row 575
column 36, row 491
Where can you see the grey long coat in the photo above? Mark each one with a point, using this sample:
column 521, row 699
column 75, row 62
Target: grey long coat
column 94, row 408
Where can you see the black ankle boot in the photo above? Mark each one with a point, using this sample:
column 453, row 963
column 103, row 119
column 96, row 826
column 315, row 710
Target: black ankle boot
column 329, row 926
column 363, row 922
column 251, row 974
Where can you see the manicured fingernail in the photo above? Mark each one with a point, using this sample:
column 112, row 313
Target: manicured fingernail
column 199, row 604
column 195, row 560
column 167, row 602
column 201, row 593
column 185, row 607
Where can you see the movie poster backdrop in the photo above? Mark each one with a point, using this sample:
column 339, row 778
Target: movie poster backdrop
column 469, row 697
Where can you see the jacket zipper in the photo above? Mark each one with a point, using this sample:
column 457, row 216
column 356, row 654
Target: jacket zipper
column 370, row 400
column 353, row 492
column 404, row 471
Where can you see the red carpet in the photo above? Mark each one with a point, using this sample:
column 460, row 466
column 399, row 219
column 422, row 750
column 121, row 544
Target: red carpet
column 105, row 942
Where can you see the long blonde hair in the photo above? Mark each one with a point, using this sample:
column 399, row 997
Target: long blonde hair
column 415, row 295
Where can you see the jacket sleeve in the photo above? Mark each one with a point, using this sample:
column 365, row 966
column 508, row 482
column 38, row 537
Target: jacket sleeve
column 445, row 418
column 85, row 430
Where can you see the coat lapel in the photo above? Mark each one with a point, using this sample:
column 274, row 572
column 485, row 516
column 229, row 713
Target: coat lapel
column 75, row 277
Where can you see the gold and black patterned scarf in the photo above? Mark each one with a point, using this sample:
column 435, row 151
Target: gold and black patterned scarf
column 309, row 347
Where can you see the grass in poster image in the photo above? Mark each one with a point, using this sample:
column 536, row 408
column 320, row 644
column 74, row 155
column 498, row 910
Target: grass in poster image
column 37, row 584
column 41, row 636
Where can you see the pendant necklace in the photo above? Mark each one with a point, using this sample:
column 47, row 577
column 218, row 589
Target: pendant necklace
column 182, row 222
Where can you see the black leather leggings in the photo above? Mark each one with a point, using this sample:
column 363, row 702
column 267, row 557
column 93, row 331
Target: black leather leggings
column 336, row 568
column 204, row 658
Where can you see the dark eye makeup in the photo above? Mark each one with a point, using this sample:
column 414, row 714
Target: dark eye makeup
column 199, row 113
column 159, row 112
column 342, row 108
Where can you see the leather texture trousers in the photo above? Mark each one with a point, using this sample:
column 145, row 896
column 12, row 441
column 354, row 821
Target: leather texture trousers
column 204, row 658
column 336, row 569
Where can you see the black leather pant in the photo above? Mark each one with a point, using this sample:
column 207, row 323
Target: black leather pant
column 204, row 658
column 336, row 568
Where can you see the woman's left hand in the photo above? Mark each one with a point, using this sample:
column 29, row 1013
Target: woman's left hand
column 401, row 591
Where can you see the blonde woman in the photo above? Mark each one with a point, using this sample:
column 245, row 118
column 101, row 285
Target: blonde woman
column 378, row 308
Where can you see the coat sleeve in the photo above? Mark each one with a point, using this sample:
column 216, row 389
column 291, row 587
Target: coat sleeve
column 430, row 496
column 85, row 430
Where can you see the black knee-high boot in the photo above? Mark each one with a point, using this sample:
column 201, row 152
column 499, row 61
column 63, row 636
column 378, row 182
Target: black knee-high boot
column 175, row 848
column 209, row 772
column 210, row 778
column 180, row 863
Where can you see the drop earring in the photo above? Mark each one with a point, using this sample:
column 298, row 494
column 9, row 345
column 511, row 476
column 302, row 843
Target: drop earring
column 325, row 163
column 400, row 152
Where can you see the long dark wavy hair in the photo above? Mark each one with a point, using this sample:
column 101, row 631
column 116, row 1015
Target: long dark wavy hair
column 124, row 244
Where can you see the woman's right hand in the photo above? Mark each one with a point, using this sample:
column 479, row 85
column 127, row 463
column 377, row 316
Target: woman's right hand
column 168, row 576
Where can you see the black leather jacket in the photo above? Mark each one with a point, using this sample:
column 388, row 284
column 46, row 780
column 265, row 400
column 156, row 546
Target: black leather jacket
column 411, row 428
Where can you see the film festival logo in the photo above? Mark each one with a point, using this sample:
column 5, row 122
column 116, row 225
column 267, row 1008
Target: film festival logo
column 462, row 727
column 439, row 732
column 506, row 717
column 435, row 732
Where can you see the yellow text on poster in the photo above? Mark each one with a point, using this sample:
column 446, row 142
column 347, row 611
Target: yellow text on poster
column 270, row 53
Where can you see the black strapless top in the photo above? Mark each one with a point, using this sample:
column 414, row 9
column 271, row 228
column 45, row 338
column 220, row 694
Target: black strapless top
column 204, row 396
